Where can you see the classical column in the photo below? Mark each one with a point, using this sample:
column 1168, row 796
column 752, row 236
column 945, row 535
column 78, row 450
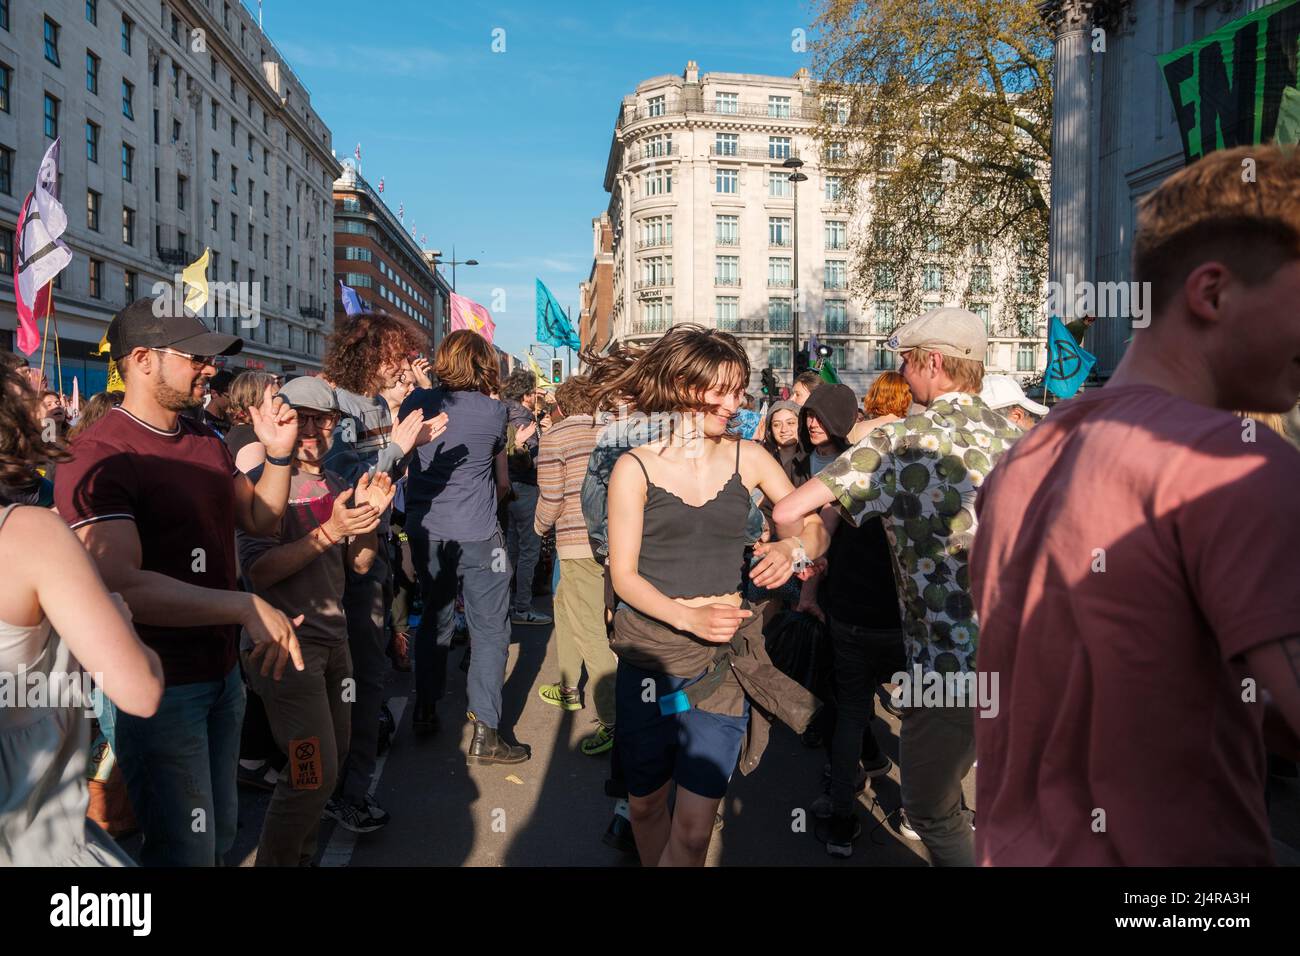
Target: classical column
column 1068, row 244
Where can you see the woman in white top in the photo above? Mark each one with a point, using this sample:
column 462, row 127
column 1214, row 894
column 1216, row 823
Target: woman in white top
column 56, row 618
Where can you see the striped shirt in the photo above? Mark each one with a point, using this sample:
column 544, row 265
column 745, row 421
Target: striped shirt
column 561, row 465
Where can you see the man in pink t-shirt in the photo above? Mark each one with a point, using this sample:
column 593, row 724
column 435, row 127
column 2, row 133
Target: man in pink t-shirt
column 1135, row 571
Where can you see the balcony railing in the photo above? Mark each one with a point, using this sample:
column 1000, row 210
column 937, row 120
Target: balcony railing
column 733, row 281
column 728, row 240
column 727, row 152
column 649, row 326
column 649, row 151
column 654, row 243
column 777, row 324
column 778, row 243
column 677, row 107
column 840, row 327
column 311, row 312
column 656, row 283
column 780, row 283
column 174, row 257
column 742, row 325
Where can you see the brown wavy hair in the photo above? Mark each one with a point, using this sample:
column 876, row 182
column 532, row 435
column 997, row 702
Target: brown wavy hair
column 22, row 447
column 676, row 371
column 604, row 372
column 466, row 362
column 246, row 391
column 575, row 396
column 889, row 395
column 360, row 344
column 96, row 407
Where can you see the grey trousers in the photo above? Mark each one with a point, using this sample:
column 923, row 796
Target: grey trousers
column 523, row 543
column 363, row 603
column 936, row 748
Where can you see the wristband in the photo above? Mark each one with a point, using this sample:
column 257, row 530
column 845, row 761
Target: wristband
column 327, row 535
column 272, row 460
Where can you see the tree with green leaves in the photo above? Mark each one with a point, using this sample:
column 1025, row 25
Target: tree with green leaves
column 939, row 124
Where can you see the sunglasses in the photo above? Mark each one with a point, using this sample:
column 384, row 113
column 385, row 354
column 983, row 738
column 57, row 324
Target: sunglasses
column 197, row 361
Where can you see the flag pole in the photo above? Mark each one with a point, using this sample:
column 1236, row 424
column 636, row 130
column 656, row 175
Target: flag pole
column 49, row 308
column 58, row 356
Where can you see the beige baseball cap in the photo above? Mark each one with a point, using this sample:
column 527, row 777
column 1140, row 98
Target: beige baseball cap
column 948, row 331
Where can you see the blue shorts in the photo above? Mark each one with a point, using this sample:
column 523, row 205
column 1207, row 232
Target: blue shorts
column 695, row 748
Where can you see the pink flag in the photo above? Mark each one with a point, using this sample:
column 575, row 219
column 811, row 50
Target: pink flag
column 468, row 314
column 41, row 254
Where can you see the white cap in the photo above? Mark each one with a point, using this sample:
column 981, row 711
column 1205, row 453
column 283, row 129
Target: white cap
column 1003, row 391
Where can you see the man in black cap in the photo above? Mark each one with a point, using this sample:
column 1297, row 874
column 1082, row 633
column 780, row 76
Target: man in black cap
column 216, row 413
column 156, row 498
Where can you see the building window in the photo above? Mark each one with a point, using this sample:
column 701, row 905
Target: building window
column 176, row 131
column 92, row 209
column 779, row 185
column 885, row 359
column 92, row 142
column 726, row 144
column 778, row 355
column 4, row 14
column 6, row 248
column 1025, row 281
column 654, row 146
column 655, row 271
column 216, row 214
column 728, row 181
column 837, row 235
column 658, row 182
column 887, row 156
column 52, row 41
column 726, row 270
column 266, row 206
column 981, row 310
column 778, row 272
column 127, row 28
column 778, row 106
column 837, row 316
column 727, row 312
column 885, row 278
column 354, row 279
column 778, row 147
column 128, row 96
column 92, row 73
column 128, row 163
column 215, row 161
column 778, row 315
column 834, row 188
column 981, row 279
column 658, row 106
column 884, row 319
column 234, row 227
column 51, row 117
column 728, row 230
column 836, row 274
column 836, row 151
column 778, row 231
column 1025, row 357
column 234, row 130
column 6, row 75
column 181, row 184
column 726, row 102
column 96, row 279
column 931, row 278
column 128, row 286
column 234, row 180
column 357, row 253
column 1026, row 319
column 155, row 127
column 250, row 147
column 657, row 231
column 6, row 170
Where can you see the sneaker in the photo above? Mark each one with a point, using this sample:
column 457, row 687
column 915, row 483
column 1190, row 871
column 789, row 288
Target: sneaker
column 355, row 819
column 530, row 617
column 599, row 742
column 556, row 695
column 261, row 777
column 905, row 828
column 618, row 835
column 840, row 834
column 821, row 807
column 377, row 813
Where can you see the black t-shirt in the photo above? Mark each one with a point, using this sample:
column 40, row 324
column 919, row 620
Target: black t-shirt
column 238, row 437
column 859, row 588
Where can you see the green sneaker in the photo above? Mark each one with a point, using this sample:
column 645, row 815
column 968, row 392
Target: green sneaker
column 559, row 697
column 599, row 742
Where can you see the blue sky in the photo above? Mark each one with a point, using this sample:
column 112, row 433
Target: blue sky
column 503, row 154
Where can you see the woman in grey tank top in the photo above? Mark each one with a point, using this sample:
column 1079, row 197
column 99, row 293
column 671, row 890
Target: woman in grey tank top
column 56, row 619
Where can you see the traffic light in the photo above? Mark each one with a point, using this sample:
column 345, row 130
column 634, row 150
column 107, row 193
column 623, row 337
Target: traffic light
column 823, row 352
column 557, row 371
column 770, row 388
column 801, row 360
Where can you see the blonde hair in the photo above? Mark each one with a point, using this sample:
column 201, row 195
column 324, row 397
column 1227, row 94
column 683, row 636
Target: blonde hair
column 967, row 374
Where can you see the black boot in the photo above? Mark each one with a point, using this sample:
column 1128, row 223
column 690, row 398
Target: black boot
column 488, row 747
column 425, row 720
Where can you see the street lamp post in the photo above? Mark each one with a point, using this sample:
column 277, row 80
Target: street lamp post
column 793, row 163
column 453, row 262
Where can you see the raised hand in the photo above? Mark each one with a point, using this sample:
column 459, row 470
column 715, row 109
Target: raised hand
column 275, row 423
column 376, row 492
column 406, row 433
column 776, row 566
column 346, row 521
column 420, row 372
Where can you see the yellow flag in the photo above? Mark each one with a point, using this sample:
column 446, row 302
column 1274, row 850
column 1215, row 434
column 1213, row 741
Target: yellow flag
column 115, row 383
column 195, row 276
column 542, row 378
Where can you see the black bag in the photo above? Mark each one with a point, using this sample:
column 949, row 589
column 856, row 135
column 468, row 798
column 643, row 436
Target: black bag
column 800, row 647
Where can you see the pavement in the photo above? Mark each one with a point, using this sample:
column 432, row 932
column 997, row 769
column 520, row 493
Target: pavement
column 552, row 809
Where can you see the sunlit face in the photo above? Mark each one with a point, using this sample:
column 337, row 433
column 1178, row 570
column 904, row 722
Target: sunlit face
column 52, row 408
column 816, row 433
column 315, row 434
column 800, row 393
column 920, row 376
column 785, row 428
column 179, row 380
column 723, row 398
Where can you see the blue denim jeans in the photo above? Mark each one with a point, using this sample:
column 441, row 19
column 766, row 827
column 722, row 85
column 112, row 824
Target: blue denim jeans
column 180, row 771
column 483, row 572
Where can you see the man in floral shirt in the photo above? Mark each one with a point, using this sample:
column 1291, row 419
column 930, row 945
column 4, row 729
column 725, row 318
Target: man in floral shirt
column 922, row 474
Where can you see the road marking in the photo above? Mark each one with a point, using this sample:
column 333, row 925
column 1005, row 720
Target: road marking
column 343, row 842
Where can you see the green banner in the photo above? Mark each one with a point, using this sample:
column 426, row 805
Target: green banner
column 1237, row 86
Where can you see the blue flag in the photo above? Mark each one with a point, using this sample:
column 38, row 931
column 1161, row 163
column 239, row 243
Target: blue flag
column 351, row 302
column 1068, row 364
column 553, row 326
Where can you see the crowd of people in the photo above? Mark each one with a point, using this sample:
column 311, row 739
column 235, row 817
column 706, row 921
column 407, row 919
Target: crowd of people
column 1081, row 597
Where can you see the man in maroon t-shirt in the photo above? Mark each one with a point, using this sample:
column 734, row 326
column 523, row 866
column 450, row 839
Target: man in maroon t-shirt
column 1135, row 568
column 156, row 499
